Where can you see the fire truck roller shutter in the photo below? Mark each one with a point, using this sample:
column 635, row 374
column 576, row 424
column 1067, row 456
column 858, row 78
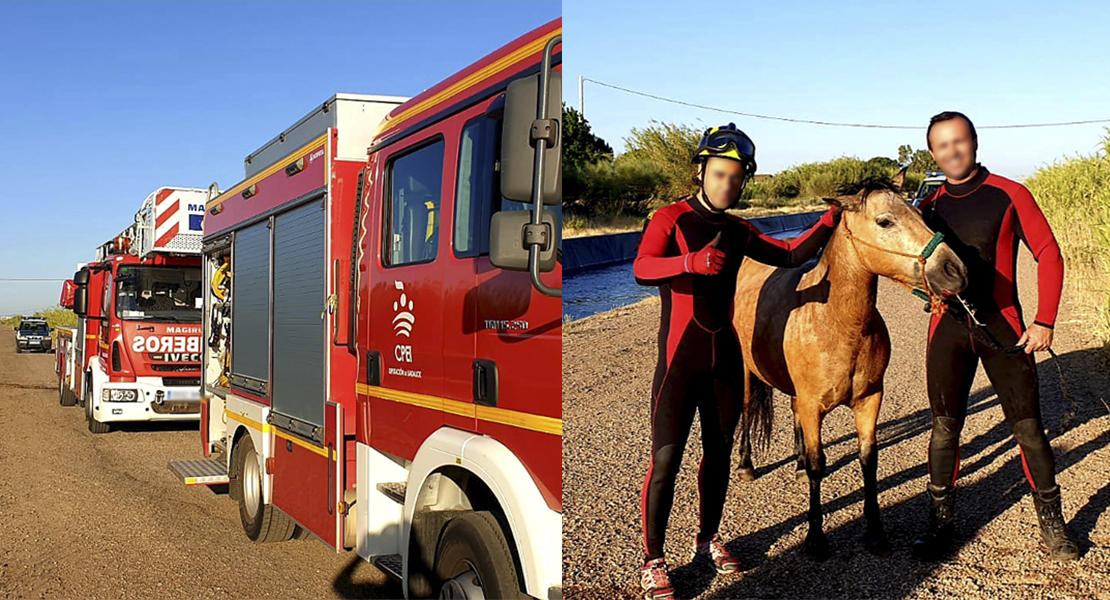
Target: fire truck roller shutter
column 299, row 300
column 250, row 303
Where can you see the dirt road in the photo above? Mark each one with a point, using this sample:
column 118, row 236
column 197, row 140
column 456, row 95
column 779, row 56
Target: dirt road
column 84, row 516
column 607, row 364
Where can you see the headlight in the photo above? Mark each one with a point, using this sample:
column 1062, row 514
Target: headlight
column 112, row 395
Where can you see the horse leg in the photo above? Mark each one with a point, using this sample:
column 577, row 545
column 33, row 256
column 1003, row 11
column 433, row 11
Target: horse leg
column 867, row 416
column 817, row 543
column 747, row 469
column 799, row 450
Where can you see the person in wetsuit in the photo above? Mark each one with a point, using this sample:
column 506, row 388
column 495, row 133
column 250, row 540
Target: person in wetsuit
column 984, row 218
column 692, row 250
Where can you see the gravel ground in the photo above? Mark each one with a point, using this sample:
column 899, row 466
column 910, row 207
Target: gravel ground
column 84, row 516
column 607, row 366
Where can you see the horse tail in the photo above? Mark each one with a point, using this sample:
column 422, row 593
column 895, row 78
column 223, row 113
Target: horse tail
column 759, row 408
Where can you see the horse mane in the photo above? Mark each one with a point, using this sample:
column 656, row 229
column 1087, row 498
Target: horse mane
column 867, row 185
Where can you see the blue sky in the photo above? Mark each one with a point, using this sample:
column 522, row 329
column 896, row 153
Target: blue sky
column 871, row 62
column 103, row 102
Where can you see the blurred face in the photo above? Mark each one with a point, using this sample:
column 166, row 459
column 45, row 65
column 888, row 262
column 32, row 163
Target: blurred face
column 722, row 179
column 953, row 148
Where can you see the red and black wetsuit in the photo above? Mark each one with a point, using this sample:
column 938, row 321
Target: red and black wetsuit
column 983, row 220
column 699, row 353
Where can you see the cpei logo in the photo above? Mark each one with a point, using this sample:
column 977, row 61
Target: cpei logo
column 404, row 319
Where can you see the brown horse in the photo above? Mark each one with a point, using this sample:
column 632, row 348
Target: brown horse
column 814, row 334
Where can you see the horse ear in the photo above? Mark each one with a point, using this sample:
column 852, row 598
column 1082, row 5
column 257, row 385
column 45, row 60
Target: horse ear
column 900, row 178
column 847, row 203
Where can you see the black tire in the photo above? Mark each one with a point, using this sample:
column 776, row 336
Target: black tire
column 18, row 350
column 263, row 523
column 94, row 425
column 474, row 542
column 98, row 427
column 64, row 397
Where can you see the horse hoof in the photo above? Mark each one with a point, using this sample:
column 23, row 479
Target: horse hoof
column 747, row 474
column 801, row 475
column 877, row 545
column 817, row 547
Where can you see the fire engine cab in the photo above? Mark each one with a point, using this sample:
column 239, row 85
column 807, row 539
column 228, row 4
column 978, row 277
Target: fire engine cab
column 382, row 344
column 135, row 353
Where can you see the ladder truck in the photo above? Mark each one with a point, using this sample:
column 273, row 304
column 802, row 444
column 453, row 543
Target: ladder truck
column 135, row 352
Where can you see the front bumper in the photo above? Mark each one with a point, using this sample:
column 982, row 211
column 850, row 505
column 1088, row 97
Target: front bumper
column 154, row 403
column 32, row 344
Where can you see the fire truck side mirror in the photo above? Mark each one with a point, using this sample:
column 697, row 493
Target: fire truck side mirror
column 80, row 305
column 507, row 246
column 81, row 301
column 519, row 132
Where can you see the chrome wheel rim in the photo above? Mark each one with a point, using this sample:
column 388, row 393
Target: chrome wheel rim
column 465, row 586
column 252, row 482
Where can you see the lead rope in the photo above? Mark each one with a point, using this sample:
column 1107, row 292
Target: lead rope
column 937, row 305
column 979, row 330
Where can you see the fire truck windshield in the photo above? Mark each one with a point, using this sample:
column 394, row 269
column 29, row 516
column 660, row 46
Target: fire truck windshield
column 146, row 293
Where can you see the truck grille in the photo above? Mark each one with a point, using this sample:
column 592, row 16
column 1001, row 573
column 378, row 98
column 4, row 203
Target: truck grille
column 174, row 368
column 181, row 381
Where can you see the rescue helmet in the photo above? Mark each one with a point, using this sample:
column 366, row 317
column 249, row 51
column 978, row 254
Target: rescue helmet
column 728, row 142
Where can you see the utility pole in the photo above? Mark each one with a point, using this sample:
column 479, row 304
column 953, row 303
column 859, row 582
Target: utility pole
column 581, row 96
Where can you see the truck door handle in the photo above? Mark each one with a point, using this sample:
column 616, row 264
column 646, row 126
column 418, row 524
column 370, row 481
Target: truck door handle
column 374, row 368
column 485, row 382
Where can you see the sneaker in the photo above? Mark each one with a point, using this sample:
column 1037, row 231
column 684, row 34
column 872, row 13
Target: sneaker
column 714, row 554
column 655, row 581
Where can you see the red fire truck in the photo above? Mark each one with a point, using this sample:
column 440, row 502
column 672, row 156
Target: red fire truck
column 382, row 354
column 135, row 353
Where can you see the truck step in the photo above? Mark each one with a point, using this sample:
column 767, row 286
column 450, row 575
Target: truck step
column 395, row 491
column 200, row 472
column 390, row 564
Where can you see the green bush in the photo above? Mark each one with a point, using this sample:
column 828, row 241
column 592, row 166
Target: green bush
column 655, row 169
column 625, row 186
column 669, row 147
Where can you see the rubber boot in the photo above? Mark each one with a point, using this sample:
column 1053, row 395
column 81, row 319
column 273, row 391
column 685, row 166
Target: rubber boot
column 937, row 539
column 1054, row 531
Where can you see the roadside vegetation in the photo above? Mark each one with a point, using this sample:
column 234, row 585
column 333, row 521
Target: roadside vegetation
column 604, row 192
column 1074, row 194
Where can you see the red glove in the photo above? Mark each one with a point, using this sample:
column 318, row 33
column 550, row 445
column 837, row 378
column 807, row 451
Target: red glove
column 707, row 261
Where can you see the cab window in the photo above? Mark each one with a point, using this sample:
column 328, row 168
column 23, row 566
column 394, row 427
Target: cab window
column 478, row 193
column 413, row 206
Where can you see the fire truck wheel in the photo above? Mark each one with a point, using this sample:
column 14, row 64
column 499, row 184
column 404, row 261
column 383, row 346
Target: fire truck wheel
column 262, row 522
column 98, row 427
column 473, row 559
column 64, row 397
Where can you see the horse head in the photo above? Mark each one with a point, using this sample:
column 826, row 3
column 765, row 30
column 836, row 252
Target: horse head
column 890, row 239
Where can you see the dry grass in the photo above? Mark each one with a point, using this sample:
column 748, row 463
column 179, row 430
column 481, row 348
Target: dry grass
column 582, row 226
column 1075, row 197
